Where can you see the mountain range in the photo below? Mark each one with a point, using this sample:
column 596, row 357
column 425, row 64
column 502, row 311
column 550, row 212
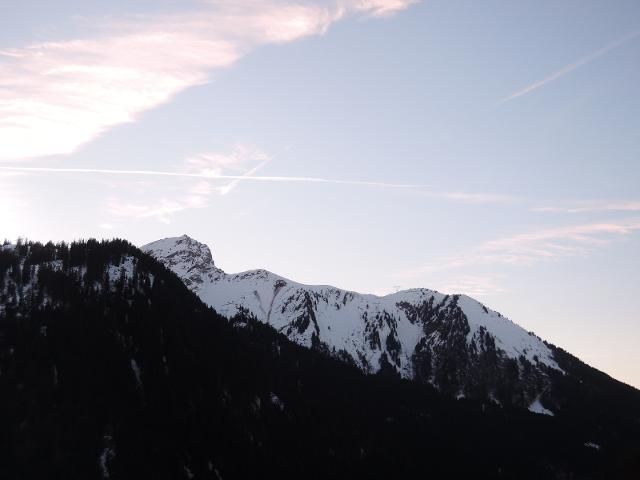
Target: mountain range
column 452, row 342
column 113, row 367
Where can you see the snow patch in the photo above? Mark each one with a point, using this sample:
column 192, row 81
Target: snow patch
column 136, row 371
column 536, row 407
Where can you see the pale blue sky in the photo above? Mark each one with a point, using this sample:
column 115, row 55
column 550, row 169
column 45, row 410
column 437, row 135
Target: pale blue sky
column 518, row 121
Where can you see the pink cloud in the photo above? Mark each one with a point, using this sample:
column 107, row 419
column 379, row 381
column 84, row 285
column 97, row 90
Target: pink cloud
column 56, row 96
column 529, row 248
column 592, row 207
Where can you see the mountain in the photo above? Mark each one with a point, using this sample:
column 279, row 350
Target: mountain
column 110, row 367
column 452, row 342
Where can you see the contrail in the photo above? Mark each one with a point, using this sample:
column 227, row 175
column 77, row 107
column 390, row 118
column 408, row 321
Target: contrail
column 234, row 183
column 209, row 176
column 571, row 67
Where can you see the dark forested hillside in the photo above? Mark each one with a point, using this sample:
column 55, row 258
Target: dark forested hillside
column 111, row 368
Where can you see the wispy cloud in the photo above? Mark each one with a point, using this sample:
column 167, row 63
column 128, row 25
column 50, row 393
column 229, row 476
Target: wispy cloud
column 203, row 174
column 472, row 285
column 216, row 163
column 57, row 95
column 592, row 207
column 472, row 198
column 537, row 246
column 161, row 210
column 572, row 66
column 207, row 168
column 375, row 8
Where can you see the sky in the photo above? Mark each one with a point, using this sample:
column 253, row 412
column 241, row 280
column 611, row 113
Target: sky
column 488, row 148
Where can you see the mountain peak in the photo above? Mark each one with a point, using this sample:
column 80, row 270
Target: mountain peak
column 189, row 259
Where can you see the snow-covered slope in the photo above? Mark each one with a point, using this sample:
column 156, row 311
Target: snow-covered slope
column 451, row 341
